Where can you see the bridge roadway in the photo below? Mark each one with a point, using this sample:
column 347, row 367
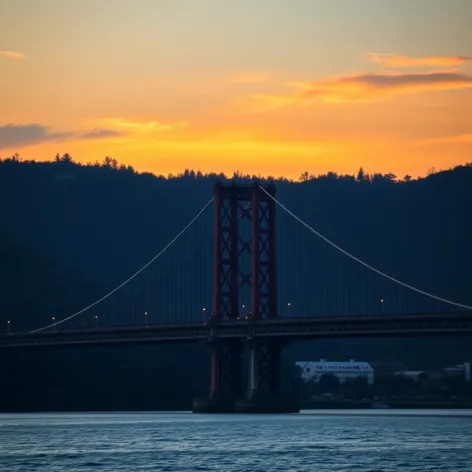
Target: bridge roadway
column 292, row 329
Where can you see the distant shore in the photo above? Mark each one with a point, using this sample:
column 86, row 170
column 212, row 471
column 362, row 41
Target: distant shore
column 304, row 405
column 355, row 405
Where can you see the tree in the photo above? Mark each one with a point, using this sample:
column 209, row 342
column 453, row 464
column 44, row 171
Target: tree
column 347, row 178
column 394, row 385
column 357, row 388
column 361, row 177
column 304, row 176
column 328, row 383
column 110, row 162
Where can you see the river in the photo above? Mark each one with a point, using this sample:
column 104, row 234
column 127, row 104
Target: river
column 370, row 441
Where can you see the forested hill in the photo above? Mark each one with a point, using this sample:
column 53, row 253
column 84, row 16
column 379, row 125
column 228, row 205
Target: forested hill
column 105, row 220
column 70, row 231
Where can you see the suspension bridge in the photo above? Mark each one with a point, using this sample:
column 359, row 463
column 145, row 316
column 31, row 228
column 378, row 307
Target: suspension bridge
column 247, row 283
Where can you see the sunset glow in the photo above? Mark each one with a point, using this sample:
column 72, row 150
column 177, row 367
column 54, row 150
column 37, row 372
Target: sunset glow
column 272, row 87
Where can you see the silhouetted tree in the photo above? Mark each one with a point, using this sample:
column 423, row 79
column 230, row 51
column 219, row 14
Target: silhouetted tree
column 304, row 176
column 357, row 388
column 329, row 383
column 110, row 162
column 361, row 177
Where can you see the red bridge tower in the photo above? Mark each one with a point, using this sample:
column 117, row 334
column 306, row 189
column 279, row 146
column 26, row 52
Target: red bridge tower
column 245, row 291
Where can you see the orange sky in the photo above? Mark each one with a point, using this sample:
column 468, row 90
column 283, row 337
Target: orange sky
column 271, row 87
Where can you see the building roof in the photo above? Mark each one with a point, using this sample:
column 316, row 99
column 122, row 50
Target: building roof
column 330, row 365
column 459, row 367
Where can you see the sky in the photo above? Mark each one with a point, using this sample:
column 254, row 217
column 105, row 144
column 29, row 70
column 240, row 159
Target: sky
column 270, row 87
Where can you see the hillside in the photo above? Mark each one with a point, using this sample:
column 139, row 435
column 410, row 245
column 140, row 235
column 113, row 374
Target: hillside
column 107, row 222
column 69, row 232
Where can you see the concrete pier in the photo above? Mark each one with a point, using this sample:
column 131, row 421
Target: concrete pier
column 278, row 404
column 208, row 405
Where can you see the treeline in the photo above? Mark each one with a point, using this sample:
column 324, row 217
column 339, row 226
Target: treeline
column 189, row 174
column 385, row 387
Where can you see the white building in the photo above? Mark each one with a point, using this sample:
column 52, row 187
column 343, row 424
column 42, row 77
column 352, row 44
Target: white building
column 342, row 370
column 459, row 370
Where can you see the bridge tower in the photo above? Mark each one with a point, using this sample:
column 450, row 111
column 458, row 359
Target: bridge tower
column 245, row 291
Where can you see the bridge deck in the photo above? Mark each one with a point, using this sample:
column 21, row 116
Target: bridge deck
column 288, row 329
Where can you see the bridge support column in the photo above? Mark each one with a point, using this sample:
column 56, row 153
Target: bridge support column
column 264, row 369
column 253, row 358
column 225, row 379
column 263, row 394
column 225, row 374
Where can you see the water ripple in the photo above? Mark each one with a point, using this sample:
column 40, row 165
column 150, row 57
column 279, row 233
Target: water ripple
column 158, row 442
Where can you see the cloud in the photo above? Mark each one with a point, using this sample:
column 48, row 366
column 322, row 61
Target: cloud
column 395, row 60
column 123, row 125
column 11, row 54
column 250, row 78
column 12, row 136
column 100, row 133
column 361, row 88
column 16, row 136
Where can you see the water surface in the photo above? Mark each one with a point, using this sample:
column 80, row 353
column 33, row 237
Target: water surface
column 390, row 441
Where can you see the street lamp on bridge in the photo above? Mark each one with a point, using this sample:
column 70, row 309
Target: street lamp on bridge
column 8, row 326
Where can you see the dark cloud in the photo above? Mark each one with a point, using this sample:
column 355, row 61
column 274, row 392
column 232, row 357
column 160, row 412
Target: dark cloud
column 16, row 136
column 399, row 80
column 12, row 136
column 374, row 86
column 363, row 88
column 100, row 133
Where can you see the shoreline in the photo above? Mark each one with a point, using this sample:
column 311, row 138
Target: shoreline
column 304, row 405
column 403, row 405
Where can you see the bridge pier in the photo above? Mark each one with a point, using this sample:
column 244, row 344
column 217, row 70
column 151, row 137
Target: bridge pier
column 263, row 393
column 225, row 378
column 254, row 369
column 263, row 390
column 264, row 368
